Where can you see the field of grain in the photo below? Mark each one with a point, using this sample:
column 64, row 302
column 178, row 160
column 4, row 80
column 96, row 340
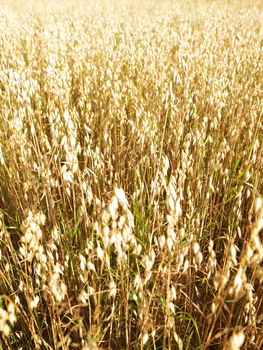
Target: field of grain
column 131, row 211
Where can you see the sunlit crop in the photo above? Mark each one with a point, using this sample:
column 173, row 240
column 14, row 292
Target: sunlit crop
column 131, row 210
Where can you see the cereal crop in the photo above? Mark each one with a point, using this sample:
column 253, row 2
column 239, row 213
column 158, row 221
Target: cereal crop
column 131, row 174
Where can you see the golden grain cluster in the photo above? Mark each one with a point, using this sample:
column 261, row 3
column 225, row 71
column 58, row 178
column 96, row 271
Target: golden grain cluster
column 131, row 138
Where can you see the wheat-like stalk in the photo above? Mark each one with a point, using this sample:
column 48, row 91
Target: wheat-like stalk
column 131, row 187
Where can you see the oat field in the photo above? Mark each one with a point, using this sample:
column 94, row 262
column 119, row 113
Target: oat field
column 131, row 175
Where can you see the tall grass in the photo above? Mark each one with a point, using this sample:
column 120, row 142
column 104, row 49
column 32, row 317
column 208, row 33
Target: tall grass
column 131, row 166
